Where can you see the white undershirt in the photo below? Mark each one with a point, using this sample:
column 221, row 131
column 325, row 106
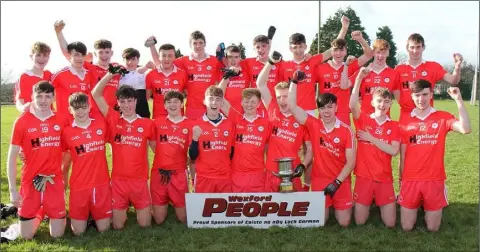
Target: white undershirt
column 134, row 79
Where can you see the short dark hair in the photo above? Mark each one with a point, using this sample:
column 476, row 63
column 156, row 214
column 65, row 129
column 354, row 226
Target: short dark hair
column 214, row 91
column 126, row 92
column 232, row 49
column 197, row 35
column 102, row 44
column 339, row 43
column 383, row 92
column 78, row 47
column 43, row 86
column 250, row 92
column 78, row 100
column 166, row 47
column 325, row 99
column 261, row 39
column 297, row 39
column 419, row 85
column 130, row 53
column 417, row 38
column 173, row 94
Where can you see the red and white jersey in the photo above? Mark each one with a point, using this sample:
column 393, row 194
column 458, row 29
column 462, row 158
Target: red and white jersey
column 41, row 144
column 253, row 67
column 425, row 145
column 87, row 149
column 386, row 78
column 329, row 148
column 66, row 82
column 110, row 90
column 160, row 83
column 233, row 92
column 328, row 78
column 250, row 140
column 214, row 148
column 306, row 87
column 371, row 162
column 201, row 75
column 25, row 83
column 173, row 140
column 286, row 138
column 427, row 70
column 129, row 140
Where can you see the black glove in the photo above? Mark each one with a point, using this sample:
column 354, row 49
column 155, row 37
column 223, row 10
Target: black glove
column 165, row 176
column 38, row 182
column 8, row 211
column 221, row 54
column 298, row 76
column 332, row 187
column 229, row 73
column 298, row 172
column 271, row 32
column 117, row 69
column 275, row 56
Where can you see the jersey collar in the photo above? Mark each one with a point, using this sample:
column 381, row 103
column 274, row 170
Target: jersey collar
column 256, row 117
column 337, row 125
column 160, row 70
column 74, row 124
column 32, row 111
column 171, row 120
column 131, row 120
column 30, row 73
column 330, row 62
column 413, row 114
column 387, row 119
column 190, row 57
column 205, row 119
column 74, row 72
column 414, row 67
column 381, row 70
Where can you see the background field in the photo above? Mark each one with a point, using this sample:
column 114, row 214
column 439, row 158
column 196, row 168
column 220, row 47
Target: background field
column 459, row 231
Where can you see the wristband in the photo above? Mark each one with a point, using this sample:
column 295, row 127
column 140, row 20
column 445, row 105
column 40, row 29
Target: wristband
column 338, row 182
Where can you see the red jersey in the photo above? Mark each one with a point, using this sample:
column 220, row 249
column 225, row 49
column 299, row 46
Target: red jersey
column 110, row 90
column 214, row 148
column 372, row 162
column 24, row 84
column 201, row 75
column 250, row 140
column 67, row 82
column 173, row 140
column 286, row 138
column 233, row 92
column 329, row 151
column 129, row 140
column 427, row 70
column 386, row 78
column 306, row 87
column 425, row 142
column 87, row 148
column 160, row 83
column 41, row 144
column 253, row 67
column 328, row 79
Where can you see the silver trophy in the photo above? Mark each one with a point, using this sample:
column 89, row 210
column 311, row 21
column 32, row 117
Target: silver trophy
column 286, row 173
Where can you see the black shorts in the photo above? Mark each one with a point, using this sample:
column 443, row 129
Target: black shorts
column 142, row 108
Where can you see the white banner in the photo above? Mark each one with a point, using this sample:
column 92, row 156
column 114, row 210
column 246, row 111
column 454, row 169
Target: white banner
column 258, row 210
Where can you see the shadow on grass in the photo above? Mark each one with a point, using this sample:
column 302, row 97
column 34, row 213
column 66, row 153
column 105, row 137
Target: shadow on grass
column 459, row 232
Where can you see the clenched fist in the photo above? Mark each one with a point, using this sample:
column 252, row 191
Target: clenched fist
column 59, row 25
column 364, row 71
column 197, row 132
column 454, row 92
column 345, row 21
column 350, row 60
column 357, row 35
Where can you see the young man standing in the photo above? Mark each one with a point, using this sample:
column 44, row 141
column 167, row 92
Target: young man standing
column 90, row 191
column 129, row 136
column 332, row 76
column 211, row 149
column 40, row 54
column 378, row 141
column 168, row 181
column 333, row 150
column 417, row 68
column 422, row 167
column 38, row 132
column 287, row 135
column 167, row 77
column 298, row 47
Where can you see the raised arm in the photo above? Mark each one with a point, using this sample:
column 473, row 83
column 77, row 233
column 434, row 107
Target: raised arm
column 231, row 72
column 299, row 114
column 12, row 174
column 344, row 84
column 462, row 125
column 367, row 51
column 146, row 67
column 97, row 93
column 150, row 43
column 341, row 35
column 354, row 103
column 59, row 25
column 262, row 79
column 454, row 77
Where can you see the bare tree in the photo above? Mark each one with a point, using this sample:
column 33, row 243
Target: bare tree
column 7, row 87
column 401, row 57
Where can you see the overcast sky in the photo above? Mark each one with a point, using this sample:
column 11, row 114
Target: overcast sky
column 448, row 27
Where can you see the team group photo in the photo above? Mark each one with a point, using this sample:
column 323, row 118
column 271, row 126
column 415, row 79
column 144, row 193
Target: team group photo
column 301, row 128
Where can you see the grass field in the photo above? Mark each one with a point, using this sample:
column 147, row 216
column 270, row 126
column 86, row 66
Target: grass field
column 459, row 231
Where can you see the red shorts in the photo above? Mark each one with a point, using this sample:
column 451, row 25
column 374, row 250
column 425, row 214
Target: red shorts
column 173, row 192
column 124, row 192
column 243, row 182
column 211, row 185
column 52, row 200
column 344, row 117
column 342, row 199
column 97, row 200
column 272, row 183
column 432, row 193
column 366, row 190
column 194, row 114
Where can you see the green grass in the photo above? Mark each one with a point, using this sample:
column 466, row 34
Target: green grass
column 459, row 231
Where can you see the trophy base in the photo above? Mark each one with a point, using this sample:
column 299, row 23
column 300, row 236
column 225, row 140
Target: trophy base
column 286, row 189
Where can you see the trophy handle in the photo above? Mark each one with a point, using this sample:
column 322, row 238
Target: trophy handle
column 299, row 170
column 275, row 174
